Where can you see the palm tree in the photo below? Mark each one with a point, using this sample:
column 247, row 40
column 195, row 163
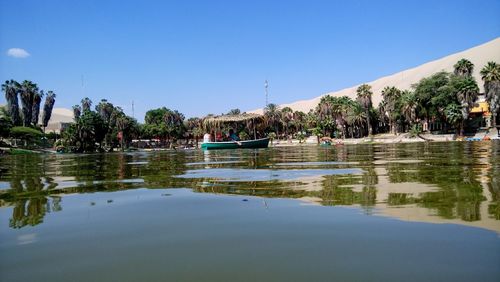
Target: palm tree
column 491, row 77
column 86, row 104
column 409, row 106
column 77, row 112
column 272, row 116
column 174, row 122
column 35, row 111
column 467, row 96
column 453, row 114
column 356, row 117
column 11, row 89
column 47, row 108
column 364, row 97
column 391, row 96
column 286, row 116
column 233, row 112
column 463, row 68
column 299, row 119
column 28, row 91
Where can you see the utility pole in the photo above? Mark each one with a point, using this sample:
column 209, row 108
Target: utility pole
column 133, row 114
column 266, row 86
column 83, row 88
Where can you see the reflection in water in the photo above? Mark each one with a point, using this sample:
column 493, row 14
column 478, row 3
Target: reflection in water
column 432, row 182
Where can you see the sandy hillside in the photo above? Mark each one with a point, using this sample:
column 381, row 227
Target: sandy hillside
column 59, row 115
column 478, row 55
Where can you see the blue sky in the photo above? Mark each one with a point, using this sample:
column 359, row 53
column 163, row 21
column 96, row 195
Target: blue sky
column 203, row 57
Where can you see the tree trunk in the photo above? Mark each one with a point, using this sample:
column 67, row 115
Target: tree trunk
column 370, row 129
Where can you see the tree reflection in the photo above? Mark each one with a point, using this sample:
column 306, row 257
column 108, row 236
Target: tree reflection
column 449, row 181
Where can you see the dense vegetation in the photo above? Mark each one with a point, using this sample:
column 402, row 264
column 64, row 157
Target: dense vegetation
column 441, row 102
column 22, row 122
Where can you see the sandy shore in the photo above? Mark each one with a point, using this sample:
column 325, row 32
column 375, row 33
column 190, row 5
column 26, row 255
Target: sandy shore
column 389, row 138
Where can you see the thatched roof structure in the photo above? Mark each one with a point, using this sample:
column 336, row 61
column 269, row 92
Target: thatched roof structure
column 219, row 120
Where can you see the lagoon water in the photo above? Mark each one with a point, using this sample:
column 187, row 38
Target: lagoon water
column 395, row 212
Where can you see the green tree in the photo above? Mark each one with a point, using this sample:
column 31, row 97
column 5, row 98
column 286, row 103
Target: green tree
column 286, row 117
column 86, row 104
column 463, row 68
column 433, row 95
column 28, row 91
column 29, row 135
column 364, row 97
column 272, row 117
column 454, row 116
column 12, row 89
column 409, row 106
column 47, row 108
column 356, row 118
column 77, row 112
column 5, row 122
column 467, row 93
column 490, row 75
column 35, row 111
column 391, row 97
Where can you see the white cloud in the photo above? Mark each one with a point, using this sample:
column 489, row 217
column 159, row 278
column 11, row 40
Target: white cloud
column 17, row 53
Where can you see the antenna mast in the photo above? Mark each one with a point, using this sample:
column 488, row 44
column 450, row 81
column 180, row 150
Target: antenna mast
column 133, row 114
column 266, row 85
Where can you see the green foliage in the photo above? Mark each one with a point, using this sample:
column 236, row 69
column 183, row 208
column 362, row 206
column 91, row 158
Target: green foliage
column 415, row 130
column 163, row 122
column 5, row 122
column 301, row 136
column 490, row 74
column 453, row 113
column 29, row 135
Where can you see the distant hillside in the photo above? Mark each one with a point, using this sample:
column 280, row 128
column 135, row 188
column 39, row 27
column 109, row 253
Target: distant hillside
column 478, row 55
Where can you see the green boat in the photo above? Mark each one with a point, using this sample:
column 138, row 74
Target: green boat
column 216, row 123
column 248, row 144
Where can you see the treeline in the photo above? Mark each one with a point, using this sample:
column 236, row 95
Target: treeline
column 23, row 121
column 444, row 98
column 102, row 129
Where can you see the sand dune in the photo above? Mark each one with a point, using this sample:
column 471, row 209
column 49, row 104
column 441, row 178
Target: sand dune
column 59, row 116
column 478, row 55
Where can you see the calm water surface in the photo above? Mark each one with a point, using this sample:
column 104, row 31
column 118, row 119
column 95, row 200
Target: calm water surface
column 405, row 212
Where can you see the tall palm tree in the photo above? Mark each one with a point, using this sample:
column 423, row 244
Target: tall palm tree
column 77, row 112
column 356, row 117
column 391, row 97
column 286, row 117
column 364, row 97
column 467, row 96
column 28, row 90
column 463, row 68
column 491, row 77
column 86, row 104
column 47, row 108
column 11, row 89
column 299, row 119
column 409, row 106
column 272, row 116
column 35, row 111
